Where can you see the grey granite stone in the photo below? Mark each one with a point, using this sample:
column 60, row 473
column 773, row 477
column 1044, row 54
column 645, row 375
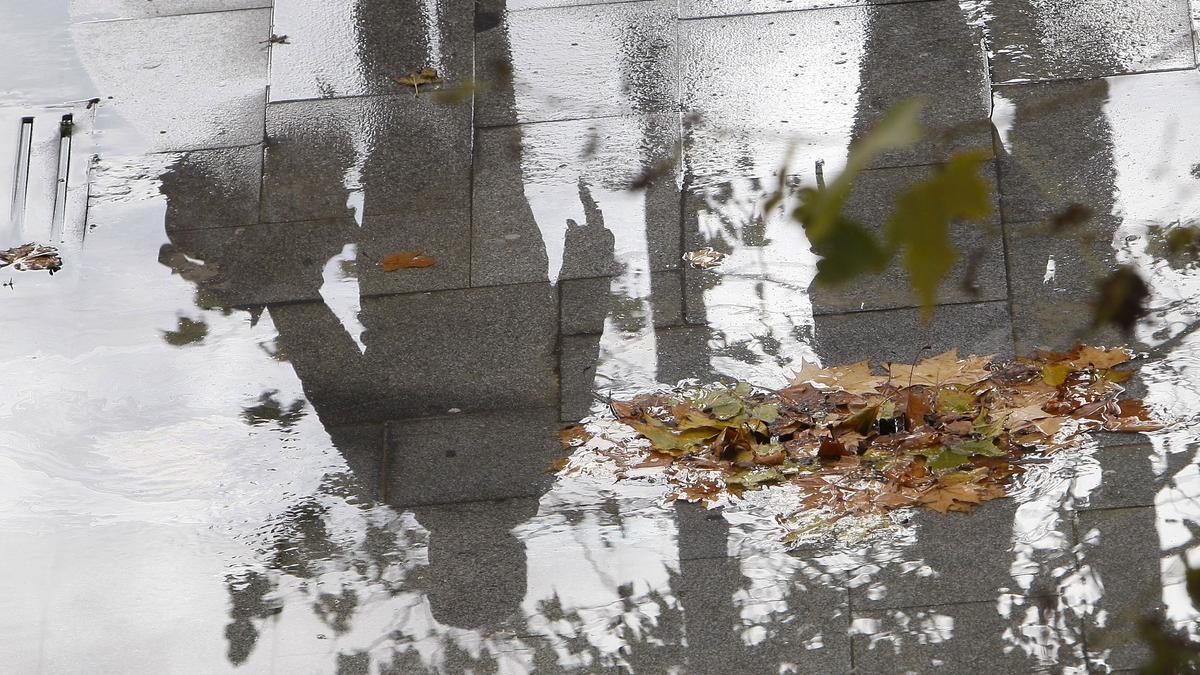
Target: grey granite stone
column 1032, row 41
column 1121, row 549
column 844, row 68
column 555, row 200
column 182, row 82
column 468, row 457
column 258, row 264
column 703, row 8
column 476, row 577
column 1054, row 287
column 586, row 303
column 375, row 154
column 958, row 558
column 796, row 622
column 475, row 350
column 443, row 235
column 900, row 335
column 213, row 188
column 1057, row 144
column 287, row 262
column 573, row 62
column 364, row 446
column 337, row 49
column 1121, row 146
column 711, row 213
column 963, row 637
column 141, row 9
column 1126, row 477
column 681, row 352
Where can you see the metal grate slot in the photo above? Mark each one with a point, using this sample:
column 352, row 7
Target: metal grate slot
column 21, row 173
column 65, row 127
column 48, row 203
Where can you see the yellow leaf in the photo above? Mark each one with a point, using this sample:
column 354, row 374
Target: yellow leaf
column 1054, row 374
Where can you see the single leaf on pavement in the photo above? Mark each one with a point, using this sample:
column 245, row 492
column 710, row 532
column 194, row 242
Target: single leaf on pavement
column 406, row 260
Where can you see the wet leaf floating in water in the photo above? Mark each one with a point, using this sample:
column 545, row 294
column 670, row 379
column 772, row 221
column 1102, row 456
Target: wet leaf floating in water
column 406, row 260
column 32, row 257
column 946, row 433
column 417, row 78
column 855, row 378
column 943, row 369
column 705, row 258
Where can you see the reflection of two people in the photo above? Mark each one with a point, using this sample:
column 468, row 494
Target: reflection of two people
column 336, row 375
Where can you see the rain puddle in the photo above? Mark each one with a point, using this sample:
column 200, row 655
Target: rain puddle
column 232, row 442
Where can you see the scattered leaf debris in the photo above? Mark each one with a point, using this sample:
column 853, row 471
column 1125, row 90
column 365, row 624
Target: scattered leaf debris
column 943, row 434
column 705, row 258
column 415, row 79
column 406, row 260
column 32, row 257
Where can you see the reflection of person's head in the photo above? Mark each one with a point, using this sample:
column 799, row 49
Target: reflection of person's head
column 476, row 574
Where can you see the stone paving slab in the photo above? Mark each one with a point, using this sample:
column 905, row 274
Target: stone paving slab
column 806, row 627
column 202, row 85
column 752, row 108
column 681, row 353
column 213, row 188
column 467, row 342
column 900, row 335
column 706, row 8
column 978, row 275
column 467, row 457
column 554, row 200
column 141, row 9
column 375, row 154
column 338, row 49
column 364, row 446
column 587, row 303
column 576, row 62
column 1082, row 39
column 955, row 638
column 1121, row 548
column 970, row 559
column 1053, row 280
column 261, row 264
column 465, row 540
column 288, row 262
column 1126, row 477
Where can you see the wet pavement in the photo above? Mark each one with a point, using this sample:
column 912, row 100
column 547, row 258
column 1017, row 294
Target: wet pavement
column 232, row 443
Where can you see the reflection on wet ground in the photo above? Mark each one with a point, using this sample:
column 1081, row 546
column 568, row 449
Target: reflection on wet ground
column 232, row 442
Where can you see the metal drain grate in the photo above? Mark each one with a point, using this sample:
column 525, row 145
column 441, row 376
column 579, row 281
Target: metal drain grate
column 47, row 185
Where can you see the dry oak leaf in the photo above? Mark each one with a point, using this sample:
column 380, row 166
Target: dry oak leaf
column 942, row 369
column 853, row 378
column 405, row 260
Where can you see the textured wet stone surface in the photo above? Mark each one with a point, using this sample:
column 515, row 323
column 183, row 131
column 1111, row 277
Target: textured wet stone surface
column 236, row 441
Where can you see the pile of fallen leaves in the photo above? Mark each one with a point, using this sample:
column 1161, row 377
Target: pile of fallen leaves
column 944, row 434
column 32, row 257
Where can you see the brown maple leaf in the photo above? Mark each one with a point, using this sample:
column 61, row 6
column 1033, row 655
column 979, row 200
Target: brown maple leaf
column 853, row 378
column 945, row 368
